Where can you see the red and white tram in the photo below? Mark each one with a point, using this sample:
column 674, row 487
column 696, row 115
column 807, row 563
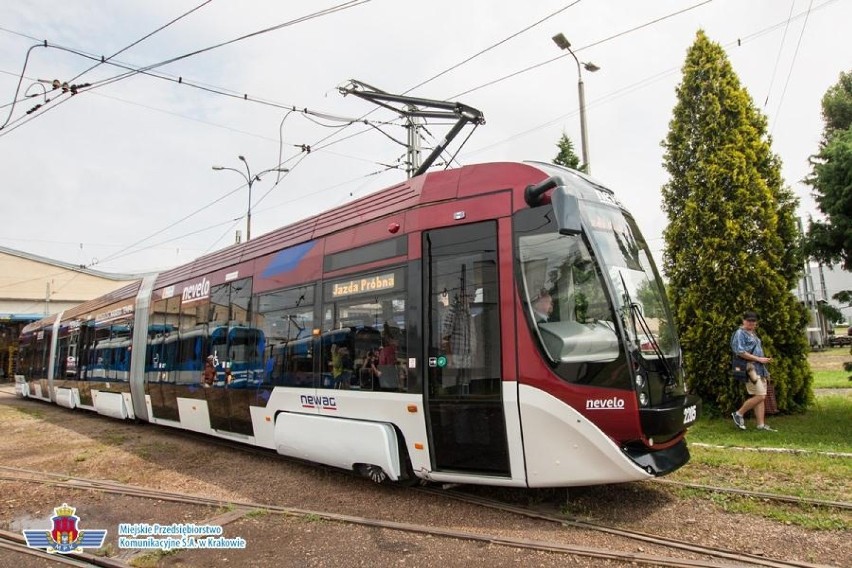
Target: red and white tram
column 497, row 324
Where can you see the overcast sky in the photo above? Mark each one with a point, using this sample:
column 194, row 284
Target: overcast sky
column 119, row 177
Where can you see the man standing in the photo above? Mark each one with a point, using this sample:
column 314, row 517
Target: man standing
column 747, row 346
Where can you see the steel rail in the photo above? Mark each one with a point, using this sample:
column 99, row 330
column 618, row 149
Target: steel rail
column 15, row 542
column 758, row 494
column 69, row 482
column 626, row 533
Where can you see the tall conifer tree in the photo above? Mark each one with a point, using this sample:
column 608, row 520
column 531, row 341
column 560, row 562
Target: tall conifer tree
column 732, row 242
column 566, row 156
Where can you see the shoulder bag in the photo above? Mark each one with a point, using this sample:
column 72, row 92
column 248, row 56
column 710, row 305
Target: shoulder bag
column 738, row 368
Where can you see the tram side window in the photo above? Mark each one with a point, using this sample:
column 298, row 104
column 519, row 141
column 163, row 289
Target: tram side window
column 60, row 370
column 162, row 338
column 230, row 303
column 189, row 349
column 233, row 342
column 44, row 353
column 364, row 344
column 463, row 311
column 85, row 344
column 26, row 355
column 100, row 354
column 119, row 360
column 286, row 318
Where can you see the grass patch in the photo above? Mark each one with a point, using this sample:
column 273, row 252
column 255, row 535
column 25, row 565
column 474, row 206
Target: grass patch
column 827, row 367
column 155, row 448
column 825, row 428
column 815, row 476
column 257, row 513
column 151, row 559
column 312, row 518
column 34, row 413
column 832, row 380
column 745, row 460
column 112, row 438
column 807, row 516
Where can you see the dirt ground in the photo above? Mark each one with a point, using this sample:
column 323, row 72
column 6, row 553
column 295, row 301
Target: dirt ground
column 49, row 438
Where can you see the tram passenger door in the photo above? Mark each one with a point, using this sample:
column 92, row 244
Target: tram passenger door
column 463, row 391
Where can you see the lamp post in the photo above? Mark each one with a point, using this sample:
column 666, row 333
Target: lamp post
column 562, row 42
column 250, row 179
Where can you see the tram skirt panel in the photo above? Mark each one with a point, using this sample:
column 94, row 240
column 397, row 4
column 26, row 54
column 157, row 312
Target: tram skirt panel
column 338, row 442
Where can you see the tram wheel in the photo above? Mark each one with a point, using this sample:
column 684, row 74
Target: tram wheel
column 373, row 472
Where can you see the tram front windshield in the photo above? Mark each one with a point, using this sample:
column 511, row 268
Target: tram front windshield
column 569, row 299
column 640, row 298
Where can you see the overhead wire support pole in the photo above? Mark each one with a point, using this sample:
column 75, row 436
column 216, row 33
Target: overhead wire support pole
column 412, row 125
column 412, row 109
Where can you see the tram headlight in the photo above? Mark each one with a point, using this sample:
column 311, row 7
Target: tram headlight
column 640, row 382
column 643, row 398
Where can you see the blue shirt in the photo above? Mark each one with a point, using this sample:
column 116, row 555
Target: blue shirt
column 745, row 342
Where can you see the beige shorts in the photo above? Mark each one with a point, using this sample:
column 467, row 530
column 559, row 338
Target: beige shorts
column 755, row 385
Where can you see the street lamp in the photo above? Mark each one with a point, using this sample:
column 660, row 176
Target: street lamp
column 250, row 179
column 562, row 42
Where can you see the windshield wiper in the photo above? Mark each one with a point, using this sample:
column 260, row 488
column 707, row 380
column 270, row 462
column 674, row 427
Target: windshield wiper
column 636, row 316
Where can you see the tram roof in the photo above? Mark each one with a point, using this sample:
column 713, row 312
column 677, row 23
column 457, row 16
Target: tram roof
column 429, row 188
column 432, row 187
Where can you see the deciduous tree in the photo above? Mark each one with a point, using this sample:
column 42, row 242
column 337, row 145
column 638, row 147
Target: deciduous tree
column 732, row 243
column 830, row 240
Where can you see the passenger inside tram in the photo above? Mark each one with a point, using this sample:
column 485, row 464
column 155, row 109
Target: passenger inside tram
column 543, row 306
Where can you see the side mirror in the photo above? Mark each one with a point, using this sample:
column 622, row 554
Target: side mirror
column 567, row 210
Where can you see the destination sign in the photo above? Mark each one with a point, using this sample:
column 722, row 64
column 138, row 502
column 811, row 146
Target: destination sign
column 114, row 314
column 363, row 285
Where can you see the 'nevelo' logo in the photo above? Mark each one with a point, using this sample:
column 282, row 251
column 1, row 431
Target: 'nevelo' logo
column 614, row 403
column 197, row 291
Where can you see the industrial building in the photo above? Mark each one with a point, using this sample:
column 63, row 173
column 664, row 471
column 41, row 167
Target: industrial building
column 32, row 287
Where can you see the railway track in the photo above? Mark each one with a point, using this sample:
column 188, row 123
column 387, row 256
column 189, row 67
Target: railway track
column 762, row 495
column 15, row 543
column 714, row 554
column 271, row 454
column 759, row 494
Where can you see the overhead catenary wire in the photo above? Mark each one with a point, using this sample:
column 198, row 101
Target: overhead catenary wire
column 579, row 49
column 492, row 46
column 586, row 47
column 456, row 96
column 300, row 19
column 140, row 40
column 452, row 67
column 792, row 65
column 147, row 69
column 780, row 50
column 645, row 81
column 103, row 60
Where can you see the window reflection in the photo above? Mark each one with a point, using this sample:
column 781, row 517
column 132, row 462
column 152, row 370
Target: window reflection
column 364, row 340
column 567, row 301
column 634, row 276
column 287, row 319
